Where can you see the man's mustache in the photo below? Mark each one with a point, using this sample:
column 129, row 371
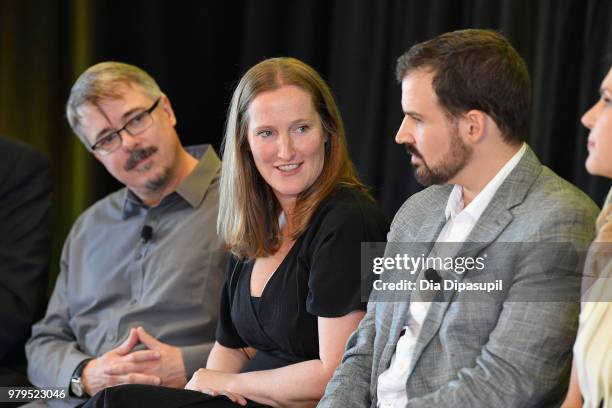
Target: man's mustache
column 410, row 149
column 137, row 156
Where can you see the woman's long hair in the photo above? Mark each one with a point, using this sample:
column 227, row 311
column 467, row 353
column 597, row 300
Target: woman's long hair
column 248, row 208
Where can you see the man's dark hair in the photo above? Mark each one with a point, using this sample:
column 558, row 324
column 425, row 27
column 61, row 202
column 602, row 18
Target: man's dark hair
column 476, row 69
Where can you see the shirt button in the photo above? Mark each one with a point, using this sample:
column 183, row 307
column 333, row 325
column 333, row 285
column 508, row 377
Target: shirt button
column 133, row 302
column 110, row 337
column 138, row 256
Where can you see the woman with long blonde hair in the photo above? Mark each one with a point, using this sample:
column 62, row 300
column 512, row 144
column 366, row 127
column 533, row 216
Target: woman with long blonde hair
column 591, row 379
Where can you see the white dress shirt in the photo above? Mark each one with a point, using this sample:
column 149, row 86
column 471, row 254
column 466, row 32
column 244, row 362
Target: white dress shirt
column 460, row 221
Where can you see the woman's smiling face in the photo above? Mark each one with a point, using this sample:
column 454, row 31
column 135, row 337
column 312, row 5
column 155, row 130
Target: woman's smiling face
column 287, row 141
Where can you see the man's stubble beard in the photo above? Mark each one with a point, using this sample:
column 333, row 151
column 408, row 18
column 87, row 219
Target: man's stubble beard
column 455, row 159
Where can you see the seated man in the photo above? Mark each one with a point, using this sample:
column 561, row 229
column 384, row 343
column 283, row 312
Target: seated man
column 141, row 271
column 25, row 251
column 465, row 98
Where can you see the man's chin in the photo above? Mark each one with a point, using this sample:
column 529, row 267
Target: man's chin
column 422, row 176
column 157, row 182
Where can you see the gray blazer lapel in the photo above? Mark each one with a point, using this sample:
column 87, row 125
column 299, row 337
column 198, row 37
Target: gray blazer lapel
column 427, row 233
column 497, row 215
column 423, row 224
column 491, row 224
column 400, row 310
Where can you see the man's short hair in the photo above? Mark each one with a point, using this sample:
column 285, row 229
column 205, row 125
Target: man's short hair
column 102, row 81
column 476, row 69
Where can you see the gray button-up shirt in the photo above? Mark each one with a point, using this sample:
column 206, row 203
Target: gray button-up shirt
column 112, row 279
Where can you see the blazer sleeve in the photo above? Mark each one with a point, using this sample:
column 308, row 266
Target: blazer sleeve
column 25, row 243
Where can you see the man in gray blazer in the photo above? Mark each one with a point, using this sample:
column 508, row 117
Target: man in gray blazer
column 465, row 97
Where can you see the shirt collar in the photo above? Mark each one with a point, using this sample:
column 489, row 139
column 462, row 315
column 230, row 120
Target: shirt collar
column 192, row 189
column 454, row 206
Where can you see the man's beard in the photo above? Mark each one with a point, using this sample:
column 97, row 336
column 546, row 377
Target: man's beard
column 136, row 156
column 453, row 161
column 159, row 182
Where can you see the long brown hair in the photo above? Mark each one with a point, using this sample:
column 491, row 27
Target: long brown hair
column 248, row 208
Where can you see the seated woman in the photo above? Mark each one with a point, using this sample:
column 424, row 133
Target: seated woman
column 294, row 215
column 591, row 380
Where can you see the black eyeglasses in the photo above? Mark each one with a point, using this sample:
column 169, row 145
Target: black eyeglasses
column 138, row 124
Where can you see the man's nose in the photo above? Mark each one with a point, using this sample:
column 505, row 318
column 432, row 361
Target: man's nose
column 404, row 133
column 129, row 142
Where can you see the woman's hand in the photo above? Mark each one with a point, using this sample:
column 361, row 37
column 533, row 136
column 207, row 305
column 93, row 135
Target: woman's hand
column 215, row 383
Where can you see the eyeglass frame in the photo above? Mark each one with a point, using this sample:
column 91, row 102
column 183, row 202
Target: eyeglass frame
column 147, row 113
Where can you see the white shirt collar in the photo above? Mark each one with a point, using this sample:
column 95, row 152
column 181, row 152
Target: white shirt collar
column 474, row 210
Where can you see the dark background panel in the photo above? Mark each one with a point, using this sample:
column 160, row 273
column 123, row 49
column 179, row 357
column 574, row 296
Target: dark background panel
column 197, row 51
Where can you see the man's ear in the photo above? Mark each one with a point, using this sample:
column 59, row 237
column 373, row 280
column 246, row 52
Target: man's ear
column 474, row 125
column 166, row 107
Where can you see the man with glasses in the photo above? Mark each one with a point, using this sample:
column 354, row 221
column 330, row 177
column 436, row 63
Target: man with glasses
column 137, row 296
